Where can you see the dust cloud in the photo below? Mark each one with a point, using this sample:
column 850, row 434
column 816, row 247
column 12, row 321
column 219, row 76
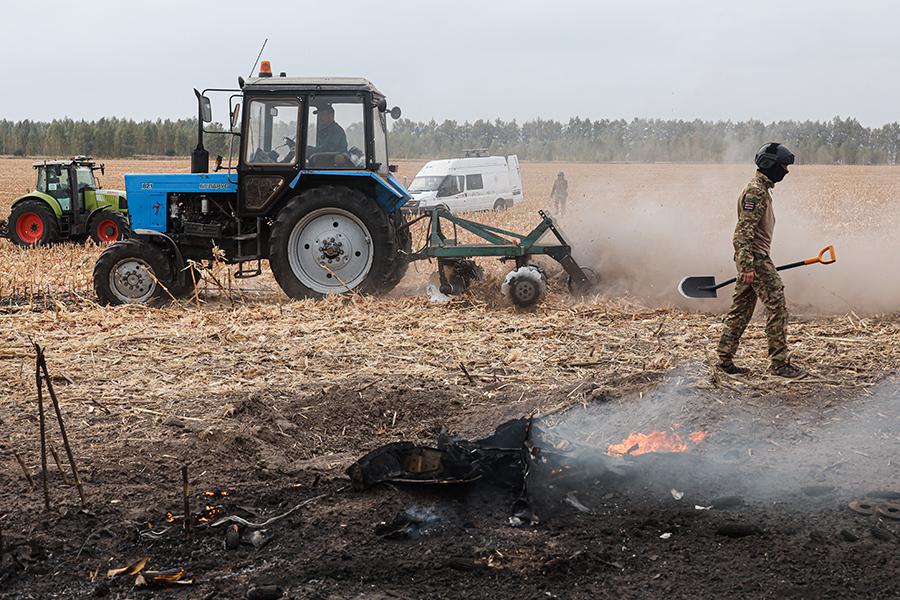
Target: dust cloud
column 645, row 227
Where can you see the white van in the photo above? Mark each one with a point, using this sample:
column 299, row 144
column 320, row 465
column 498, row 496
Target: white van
column 467, row 184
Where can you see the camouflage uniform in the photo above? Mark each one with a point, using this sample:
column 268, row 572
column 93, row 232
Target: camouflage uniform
column 559, row 194
column 752, row 238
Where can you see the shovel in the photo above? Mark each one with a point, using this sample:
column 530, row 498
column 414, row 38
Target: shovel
column 705, row 287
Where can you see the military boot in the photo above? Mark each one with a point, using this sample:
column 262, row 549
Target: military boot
column 731, row 368
column 787, row 370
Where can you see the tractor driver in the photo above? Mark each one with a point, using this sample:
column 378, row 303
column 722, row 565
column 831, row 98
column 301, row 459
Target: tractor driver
column 330, row 136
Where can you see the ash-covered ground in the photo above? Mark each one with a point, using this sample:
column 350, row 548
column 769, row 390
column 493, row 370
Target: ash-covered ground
column 759, row 508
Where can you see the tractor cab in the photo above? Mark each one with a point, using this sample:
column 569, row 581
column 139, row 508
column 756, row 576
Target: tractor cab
column 67, row 204
column 60, row 178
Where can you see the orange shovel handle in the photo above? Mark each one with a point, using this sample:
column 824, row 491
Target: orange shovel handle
column 829, row 250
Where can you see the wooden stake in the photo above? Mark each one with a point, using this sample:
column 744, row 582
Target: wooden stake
column 62, row 429
column 24, row 469
column 40, row 397
column 187, row 503
column 59, row 465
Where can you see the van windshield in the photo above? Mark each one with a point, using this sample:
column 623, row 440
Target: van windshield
column 426, row 183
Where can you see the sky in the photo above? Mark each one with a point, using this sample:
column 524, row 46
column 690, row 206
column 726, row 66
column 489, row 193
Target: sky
column 463, row 59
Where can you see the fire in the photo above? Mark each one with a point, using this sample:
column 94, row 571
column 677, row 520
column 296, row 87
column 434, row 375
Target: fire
column 655, row 441
column 698, row 436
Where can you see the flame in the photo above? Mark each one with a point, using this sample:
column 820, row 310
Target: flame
column 655, row 441
column 698, row 436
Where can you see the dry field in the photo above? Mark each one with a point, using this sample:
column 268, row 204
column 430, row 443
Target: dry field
column 266, row 396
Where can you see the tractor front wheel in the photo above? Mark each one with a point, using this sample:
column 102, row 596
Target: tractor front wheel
column 107, row 226
column 33, row 223
column 132, row 272
column 332, row 240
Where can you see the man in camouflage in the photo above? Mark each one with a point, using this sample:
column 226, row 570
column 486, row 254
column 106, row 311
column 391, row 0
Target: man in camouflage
column 757, row 277
column 560, row 193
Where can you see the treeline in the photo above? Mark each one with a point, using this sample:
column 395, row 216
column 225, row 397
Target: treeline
column 650, row 140
column 108, row 138
column 640, row 140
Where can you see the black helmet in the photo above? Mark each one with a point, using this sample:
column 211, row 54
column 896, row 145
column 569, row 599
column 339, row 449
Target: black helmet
column 772, row 159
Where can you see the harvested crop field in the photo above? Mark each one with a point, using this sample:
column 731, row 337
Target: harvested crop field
column 271, row 400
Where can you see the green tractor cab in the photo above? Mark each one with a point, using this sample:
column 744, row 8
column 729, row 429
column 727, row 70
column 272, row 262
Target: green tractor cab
column 67, row 204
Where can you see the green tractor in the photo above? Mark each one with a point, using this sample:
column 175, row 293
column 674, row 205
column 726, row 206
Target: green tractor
column 53, row 213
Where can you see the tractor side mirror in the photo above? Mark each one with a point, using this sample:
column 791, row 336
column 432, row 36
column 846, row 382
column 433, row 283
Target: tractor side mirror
column 235, row 115
column 205, row 107
column 396, row 113
column 392, row 168
column 218, row 164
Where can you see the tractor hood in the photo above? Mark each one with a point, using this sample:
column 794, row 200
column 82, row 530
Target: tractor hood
column 110, row 194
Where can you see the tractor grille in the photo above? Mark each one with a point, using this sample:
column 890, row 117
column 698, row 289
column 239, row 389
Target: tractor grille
column 211, row 230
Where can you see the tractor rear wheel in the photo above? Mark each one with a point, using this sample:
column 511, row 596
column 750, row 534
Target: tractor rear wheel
column 401, row 265
column 107, row 226
column 132, row 272
column 33, row 223
column 331, row 240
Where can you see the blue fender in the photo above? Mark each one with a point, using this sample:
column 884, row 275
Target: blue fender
column 389, row 193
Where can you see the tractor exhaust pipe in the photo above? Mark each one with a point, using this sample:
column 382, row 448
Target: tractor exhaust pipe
column 199, row 155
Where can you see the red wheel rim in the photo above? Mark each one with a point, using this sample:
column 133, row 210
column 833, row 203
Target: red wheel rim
column 107, row 231
column 30, row 228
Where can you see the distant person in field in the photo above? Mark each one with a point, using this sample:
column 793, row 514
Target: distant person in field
column 757, row 277
column 559, row 194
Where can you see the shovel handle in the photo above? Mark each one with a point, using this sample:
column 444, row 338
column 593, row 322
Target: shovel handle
column 821, row 258
column 829, row 250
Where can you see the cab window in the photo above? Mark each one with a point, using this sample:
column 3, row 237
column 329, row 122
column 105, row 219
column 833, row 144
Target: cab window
column 271, row 136
column 380, row 129
column 335, row 133
column 85, row 178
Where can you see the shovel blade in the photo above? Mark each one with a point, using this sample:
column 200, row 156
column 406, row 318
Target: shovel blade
column 697, row 287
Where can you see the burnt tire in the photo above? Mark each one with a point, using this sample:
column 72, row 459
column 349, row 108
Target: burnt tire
column 33, row 223
column 107, row 226
column 333, row 239
column 132, row 272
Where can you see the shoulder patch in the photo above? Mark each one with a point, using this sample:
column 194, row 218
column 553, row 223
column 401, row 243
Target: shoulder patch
column 749, row 203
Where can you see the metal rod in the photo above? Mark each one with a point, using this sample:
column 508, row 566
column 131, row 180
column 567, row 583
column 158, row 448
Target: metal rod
column 62, row 429
column 40, row 398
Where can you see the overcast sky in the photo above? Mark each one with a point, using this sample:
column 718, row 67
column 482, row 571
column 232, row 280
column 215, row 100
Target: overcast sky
column 462, row 59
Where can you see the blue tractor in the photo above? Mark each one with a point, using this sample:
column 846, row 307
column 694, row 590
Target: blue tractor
column 312, row 192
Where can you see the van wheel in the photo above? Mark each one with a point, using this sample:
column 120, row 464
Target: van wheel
column 500, row 204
